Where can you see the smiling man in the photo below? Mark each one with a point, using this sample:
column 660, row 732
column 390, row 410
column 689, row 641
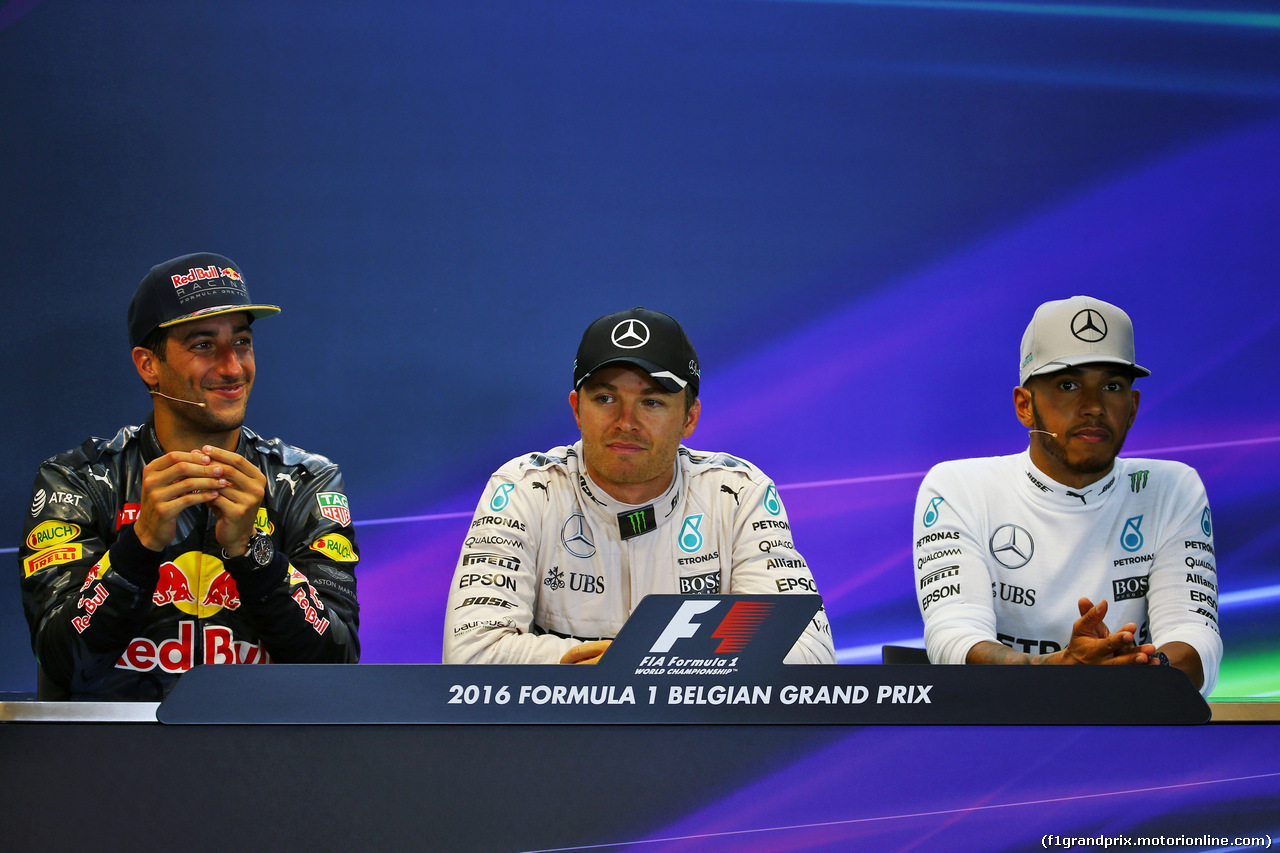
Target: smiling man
column 564, row 544
column 1019, row 559
column 189, row 539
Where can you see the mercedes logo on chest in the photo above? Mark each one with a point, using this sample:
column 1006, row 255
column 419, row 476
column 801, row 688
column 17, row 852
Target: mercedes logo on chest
column 1089, row 326
column 1012, row 546
column 630, row 334
column 573, row 535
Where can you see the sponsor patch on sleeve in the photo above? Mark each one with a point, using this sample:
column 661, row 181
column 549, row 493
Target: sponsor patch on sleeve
column 333, row 506
column 335, row 547
column 50, row 533
column 52, row 557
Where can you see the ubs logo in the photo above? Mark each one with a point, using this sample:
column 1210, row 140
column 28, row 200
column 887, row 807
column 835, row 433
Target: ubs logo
column 1012, row 546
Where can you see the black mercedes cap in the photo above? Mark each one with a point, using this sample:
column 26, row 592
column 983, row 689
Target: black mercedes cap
column 651, row 340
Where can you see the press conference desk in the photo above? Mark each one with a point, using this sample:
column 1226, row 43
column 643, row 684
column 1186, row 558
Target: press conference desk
column 109, row 776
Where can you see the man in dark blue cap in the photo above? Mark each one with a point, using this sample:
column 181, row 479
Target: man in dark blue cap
column 187, row 540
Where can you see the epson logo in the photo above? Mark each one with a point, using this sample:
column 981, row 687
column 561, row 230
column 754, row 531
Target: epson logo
column 1127, row 588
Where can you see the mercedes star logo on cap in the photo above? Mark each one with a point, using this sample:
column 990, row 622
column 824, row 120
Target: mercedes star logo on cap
column 1089, row 326
column 630, row 334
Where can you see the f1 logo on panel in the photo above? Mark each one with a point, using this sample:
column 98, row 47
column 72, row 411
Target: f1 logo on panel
column 734, row 631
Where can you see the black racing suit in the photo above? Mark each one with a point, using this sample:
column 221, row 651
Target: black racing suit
column 113, row 619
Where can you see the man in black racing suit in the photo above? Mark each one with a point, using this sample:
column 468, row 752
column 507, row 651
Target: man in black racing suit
column 187, row 540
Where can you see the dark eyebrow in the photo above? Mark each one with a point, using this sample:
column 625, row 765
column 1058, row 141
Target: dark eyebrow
column 208, row 332
column 650, row 390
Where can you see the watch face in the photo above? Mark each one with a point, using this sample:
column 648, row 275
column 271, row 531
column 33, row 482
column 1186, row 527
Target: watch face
column 261, row 549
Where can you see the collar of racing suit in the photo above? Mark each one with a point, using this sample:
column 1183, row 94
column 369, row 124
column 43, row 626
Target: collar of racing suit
column 152, row 450
column 606, row 508
column 1048, row 492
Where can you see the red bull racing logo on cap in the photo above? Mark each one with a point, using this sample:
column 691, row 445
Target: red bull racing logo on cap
column 197, row 584
column 333, row 506
column 202, row 274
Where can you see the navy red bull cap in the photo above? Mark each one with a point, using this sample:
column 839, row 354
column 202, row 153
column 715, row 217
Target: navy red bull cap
column 188, row 288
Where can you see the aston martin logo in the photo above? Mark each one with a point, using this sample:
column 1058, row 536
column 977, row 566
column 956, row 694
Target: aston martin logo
column 1089, row 326
column 1012, row 546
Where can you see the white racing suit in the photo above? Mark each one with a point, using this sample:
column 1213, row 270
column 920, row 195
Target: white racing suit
column 551, row 560
column 1003, row 553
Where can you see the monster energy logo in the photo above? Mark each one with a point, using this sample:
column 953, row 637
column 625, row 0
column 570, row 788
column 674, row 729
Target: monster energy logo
column 637, row 522
column 1138, row 480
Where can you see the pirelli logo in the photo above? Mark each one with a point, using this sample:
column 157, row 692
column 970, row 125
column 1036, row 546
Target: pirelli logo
column 52, row 557
column 511, row 564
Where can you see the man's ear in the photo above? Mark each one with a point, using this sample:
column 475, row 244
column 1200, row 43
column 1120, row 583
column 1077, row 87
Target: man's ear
column 144, row 360
column 1022, row 406
column 573, row 404
column 691, row 419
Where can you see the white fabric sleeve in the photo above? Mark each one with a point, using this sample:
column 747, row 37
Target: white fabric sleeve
column 492, row 598
column 765, row 561
column 1182, row 600
column 951, row 579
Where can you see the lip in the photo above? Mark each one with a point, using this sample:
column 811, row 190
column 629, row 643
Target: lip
column 1092, row 435
column 625, row 448
column 227, row 392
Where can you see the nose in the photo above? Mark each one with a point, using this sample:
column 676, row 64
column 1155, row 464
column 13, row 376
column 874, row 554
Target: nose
column 1091, row 402
column 229, row 363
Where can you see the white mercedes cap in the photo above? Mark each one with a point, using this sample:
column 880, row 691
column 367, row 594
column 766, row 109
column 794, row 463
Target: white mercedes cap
column 1080, row 330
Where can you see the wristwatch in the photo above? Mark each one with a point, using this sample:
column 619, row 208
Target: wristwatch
column 1163, row 658
column 260, row 553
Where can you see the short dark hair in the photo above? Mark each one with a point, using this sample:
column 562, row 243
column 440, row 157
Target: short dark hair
column 156, row 341
column 689, row 398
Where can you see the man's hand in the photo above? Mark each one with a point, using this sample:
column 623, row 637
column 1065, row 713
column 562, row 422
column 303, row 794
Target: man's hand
column 1092, row 643
column 170, row 484
column 236, row 504
column 587, row 652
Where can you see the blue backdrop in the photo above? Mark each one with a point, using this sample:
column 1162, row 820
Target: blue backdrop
column 853, row 207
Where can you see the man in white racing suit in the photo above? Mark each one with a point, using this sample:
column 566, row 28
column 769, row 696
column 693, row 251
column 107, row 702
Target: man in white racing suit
column 1012, row 552
column 565, row 544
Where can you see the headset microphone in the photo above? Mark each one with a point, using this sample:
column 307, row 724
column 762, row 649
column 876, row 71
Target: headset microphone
column 1045, row 431
column 156, row 393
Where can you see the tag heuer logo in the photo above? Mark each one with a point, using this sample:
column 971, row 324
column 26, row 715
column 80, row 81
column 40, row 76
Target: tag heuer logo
column 333, row 506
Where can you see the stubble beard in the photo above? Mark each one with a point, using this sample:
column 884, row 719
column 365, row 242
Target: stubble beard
column 1098, row 462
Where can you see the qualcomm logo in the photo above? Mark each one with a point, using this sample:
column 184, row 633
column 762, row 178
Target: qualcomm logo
column 501, row 497
column 1131, row 536
column 1011, row 546
column 771, row 502
column 931, row 512
column 573, row 535
column 690, row 535
column 1206, row 522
